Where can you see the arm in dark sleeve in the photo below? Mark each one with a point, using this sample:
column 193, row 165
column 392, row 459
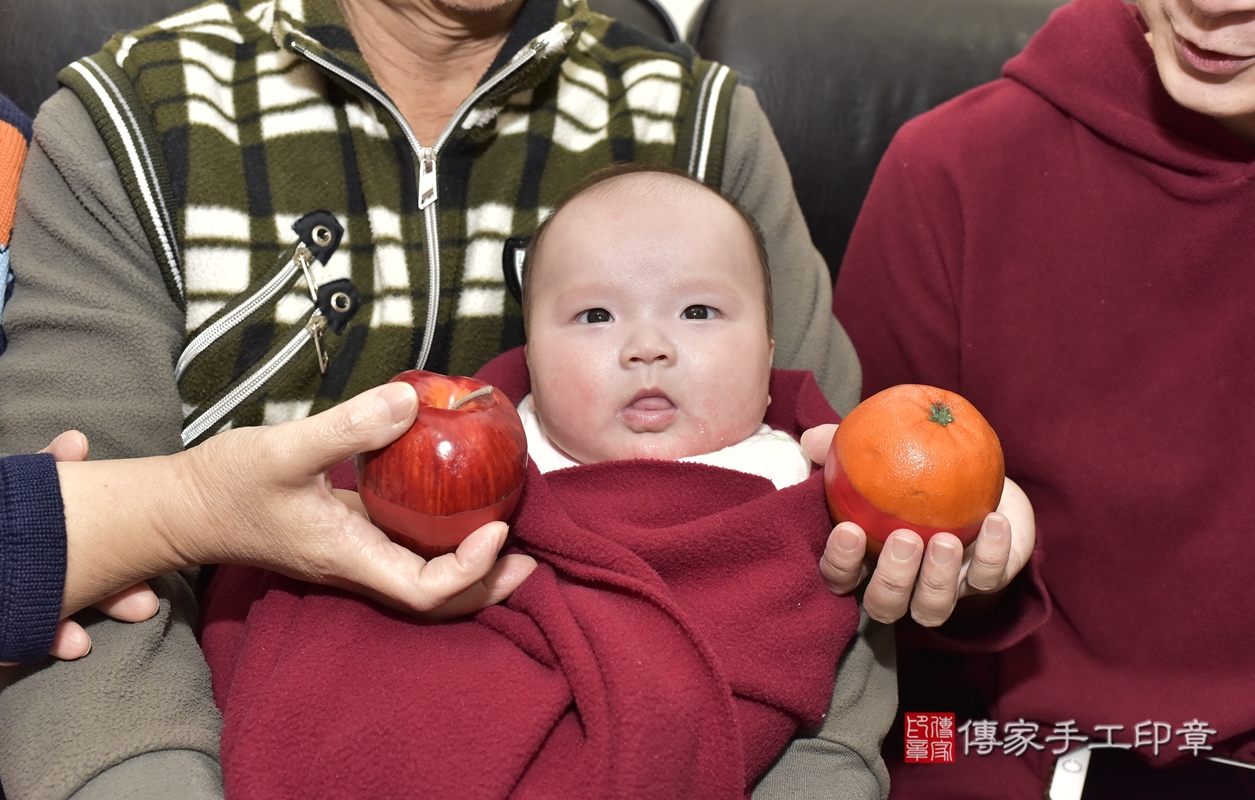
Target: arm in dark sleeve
column 897, row 302
column 896, row 295
column 32, row 556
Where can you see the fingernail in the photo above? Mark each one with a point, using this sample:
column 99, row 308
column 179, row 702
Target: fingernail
column 995, row 527
column 81, row 640
column 847, row 540
column 400, row 398
column 943, row 553
column 903, row 548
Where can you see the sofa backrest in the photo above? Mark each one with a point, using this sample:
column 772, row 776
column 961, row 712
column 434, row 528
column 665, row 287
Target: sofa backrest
column 837, row 78
column 650, row 16
column 39, row 37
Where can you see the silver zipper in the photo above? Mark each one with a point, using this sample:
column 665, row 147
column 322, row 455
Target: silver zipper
column 426, row 176
column 299, row 263
column 427, row 160
column 247, row 387
column 317, row 323
column 301, row 260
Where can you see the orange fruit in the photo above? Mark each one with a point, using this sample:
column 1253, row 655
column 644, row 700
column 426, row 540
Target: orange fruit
column 915, row 457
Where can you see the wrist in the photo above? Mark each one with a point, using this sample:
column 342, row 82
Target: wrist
column 217, row 510
column 115, row 528
column 188, row 518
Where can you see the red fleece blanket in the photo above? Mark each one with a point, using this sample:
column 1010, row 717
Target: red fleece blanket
column 673, row 639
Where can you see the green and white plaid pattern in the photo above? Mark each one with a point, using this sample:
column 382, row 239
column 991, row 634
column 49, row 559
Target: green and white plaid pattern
column 231, row 121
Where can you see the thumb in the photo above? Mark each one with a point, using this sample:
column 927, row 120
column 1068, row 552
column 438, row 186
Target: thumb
column 69, row 446
column 817, row 440
column 369, row 421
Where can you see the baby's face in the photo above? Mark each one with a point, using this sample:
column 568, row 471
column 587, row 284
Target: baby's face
column 647, row 334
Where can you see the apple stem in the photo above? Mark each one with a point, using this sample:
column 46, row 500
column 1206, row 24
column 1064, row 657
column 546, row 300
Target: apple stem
column 482, row 391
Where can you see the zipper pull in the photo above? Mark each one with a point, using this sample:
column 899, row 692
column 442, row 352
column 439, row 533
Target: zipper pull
column 426, row 177
column 316, row 325
column 304, row 258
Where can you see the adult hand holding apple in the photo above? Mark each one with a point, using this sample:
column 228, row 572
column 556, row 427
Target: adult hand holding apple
column 460, row 465
column 261, row 496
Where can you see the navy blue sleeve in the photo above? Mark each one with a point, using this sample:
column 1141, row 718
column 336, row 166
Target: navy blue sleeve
column 32, row 556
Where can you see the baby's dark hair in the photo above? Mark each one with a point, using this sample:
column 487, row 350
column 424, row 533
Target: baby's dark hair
column 601, row 176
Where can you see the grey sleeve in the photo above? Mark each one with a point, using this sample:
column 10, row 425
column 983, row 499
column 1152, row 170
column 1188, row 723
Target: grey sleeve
column 807, row 333
column 65, row 726
column 92, row 340
column 842, row 760
column 161, row 775
column 93, row 334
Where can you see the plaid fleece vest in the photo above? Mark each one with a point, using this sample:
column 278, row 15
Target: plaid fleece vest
column 316, row 247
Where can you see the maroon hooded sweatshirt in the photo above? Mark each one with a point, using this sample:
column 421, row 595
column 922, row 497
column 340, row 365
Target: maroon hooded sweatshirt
column 1073, row 252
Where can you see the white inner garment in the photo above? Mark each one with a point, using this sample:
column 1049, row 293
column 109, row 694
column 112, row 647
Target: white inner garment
column 768, row 453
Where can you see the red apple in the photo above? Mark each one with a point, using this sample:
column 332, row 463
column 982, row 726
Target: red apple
column 459, row 466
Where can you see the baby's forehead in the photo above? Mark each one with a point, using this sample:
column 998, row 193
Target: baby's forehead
column 630, row 220
column 656, row 188
column 653, row 200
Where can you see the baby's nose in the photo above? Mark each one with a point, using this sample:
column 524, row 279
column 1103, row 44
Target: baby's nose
column 649, row 347
column 651, row 355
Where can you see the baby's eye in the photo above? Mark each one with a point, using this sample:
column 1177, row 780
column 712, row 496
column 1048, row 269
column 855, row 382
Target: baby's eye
column 594, row 315
column 699, row 312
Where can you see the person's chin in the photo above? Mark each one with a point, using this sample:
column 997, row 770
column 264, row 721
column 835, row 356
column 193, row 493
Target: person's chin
column 657, row 446
column 1231, row 98
column 478, row 6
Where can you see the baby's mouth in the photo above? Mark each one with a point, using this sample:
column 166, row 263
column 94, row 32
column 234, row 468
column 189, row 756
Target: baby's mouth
column 649, row 411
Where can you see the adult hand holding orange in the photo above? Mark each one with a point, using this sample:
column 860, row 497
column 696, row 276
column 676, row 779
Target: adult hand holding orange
column 914, row 457
column 924, row 568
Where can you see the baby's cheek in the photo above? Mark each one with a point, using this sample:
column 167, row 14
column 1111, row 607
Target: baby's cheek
column 572, row 422
column 732, row 412
column 562, row 386
column 561, row 419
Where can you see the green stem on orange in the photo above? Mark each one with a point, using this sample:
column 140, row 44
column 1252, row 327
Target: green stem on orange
column 480, row 392
column 940, row 414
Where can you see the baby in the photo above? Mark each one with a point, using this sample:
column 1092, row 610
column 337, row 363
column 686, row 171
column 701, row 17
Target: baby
column 676, row 632
column 647, row 306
